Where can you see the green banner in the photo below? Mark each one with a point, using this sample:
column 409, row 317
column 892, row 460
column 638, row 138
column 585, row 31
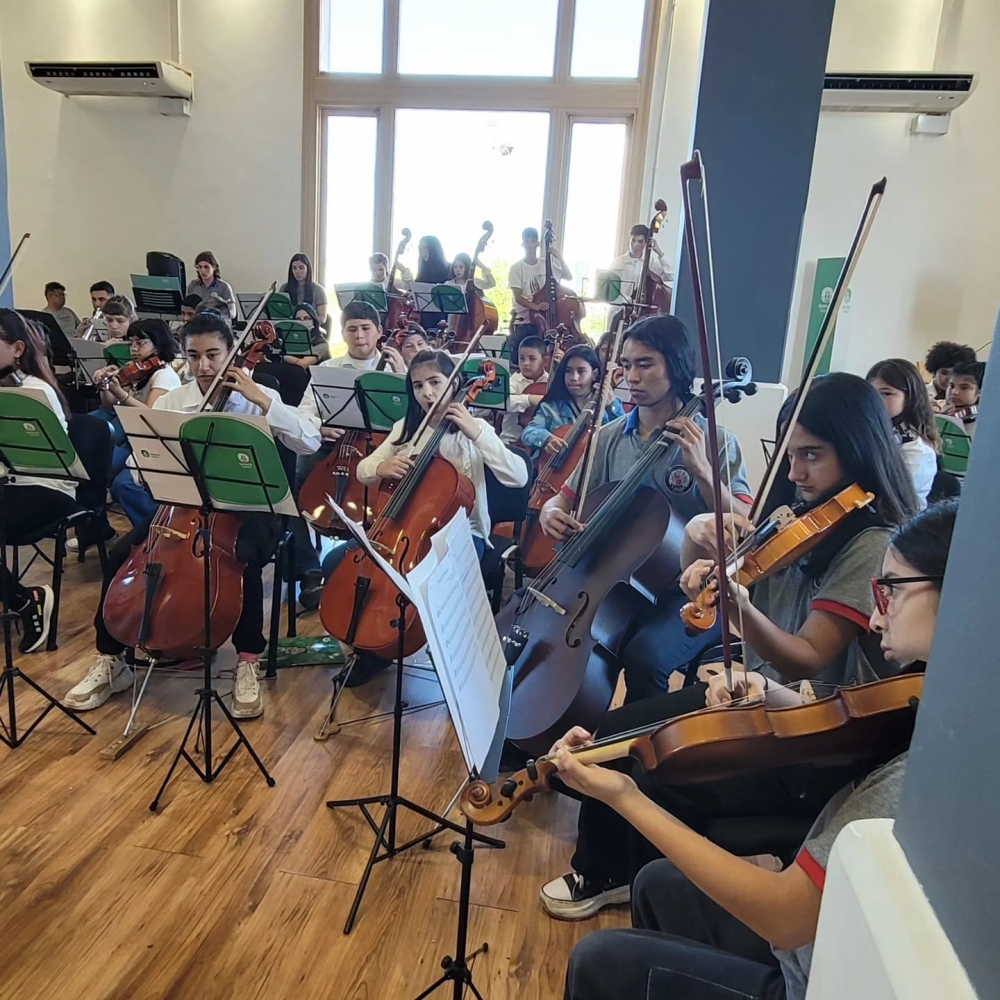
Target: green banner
column 827, row 272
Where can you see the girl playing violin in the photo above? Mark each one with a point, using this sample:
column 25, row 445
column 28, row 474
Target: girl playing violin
column 147, row 339
column 906, row 401
column 471, row 444
column 208, row 340
column 576, row 378
column 704, row 914
column 808, row 621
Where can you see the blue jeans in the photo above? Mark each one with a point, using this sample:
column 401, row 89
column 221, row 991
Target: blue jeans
column 134, row 499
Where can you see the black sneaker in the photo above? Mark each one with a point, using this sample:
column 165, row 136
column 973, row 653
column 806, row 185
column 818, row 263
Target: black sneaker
column 573, row 897
column 311, row 589
column 365, row 669
column 35, row 617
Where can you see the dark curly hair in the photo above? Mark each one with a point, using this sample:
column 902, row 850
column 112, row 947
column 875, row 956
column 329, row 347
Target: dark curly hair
column 947, row 354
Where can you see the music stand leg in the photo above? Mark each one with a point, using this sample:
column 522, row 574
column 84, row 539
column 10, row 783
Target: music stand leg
column 207, row 696
column 385, row 846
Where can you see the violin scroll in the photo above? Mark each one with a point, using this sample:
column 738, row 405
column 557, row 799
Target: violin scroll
column 479, row 804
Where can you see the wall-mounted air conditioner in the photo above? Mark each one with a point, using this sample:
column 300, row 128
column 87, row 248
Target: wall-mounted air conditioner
column 915, row 93
column 158, row 78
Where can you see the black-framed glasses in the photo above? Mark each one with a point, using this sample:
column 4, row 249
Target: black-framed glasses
column 882, row 588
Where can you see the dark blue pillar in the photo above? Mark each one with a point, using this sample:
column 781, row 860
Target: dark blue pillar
column 759, row 95
column 8, row 297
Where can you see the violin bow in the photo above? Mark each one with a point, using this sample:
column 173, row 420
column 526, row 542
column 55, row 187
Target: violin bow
column 238, row 343
column 693, row 172
column 825, row 334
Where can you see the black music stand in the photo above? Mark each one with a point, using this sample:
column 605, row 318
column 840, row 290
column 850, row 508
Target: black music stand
column 191, row 461
column 10, row 674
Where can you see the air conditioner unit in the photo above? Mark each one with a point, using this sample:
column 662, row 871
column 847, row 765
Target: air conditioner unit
column 916, row 93
column 105, row 79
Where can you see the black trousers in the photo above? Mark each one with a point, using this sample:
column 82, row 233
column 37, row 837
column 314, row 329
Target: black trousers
column 258, row 538
column 26, row 510
column 608, row 849
column 683, row 946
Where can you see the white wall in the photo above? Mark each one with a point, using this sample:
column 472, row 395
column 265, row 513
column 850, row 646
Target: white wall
column 99, row 181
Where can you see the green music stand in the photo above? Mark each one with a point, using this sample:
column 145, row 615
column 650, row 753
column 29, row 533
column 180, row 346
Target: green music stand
column 495, row 396
column 32, row 443
column 365, row 291
column 956, row 445
column 295, row 337
column 279, row 306
column 382, row 398
column 117, row 354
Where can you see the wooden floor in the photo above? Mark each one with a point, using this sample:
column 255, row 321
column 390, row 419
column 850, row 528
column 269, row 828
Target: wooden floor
column 239, row 890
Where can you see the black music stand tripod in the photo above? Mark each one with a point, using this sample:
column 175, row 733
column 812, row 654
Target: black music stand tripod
column 385, row 847
column 208, row 769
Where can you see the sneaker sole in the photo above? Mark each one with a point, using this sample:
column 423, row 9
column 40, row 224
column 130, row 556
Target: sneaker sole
column 571, row 912
column 95, row 701
column 246, row 713
column 46, row 619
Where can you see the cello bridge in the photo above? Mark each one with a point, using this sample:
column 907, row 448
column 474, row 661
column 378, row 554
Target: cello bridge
column 182, row 536
column 546, row 601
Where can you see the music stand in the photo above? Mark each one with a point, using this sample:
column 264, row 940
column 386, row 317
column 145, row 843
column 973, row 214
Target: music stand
column 382, row 397
column 496, row 396
column 363, row 291
column 494, row 346
column 295, row 339
column 279, row 306
column 215, row 462
column 449, row 300
column 157, row 296
column 32, row 443
column 385, row 847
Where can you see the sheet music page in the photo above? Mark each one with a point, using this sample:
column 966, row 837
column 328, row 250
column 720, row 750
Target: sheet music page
column 450, row 597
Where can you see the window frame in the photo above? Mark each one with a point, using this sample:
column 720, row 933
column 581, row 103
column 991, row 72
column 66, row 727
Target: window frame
column 566, row 99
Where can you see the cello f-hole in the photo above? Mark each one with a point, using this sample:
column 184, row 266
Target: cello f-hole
column 581, row 611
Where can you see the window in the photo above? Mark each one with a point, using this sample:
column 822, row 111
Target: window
column 351, row 36
column 349, row 200
column 607, row 38
column 597, row 160
column 442, row 38
column 438, row 117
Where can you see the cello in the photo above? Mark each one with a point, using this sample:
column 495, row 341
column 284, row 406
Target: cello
column 482, row 312
column 358, row 605
column 559, row 305
column 157, row 600
column 564, row 674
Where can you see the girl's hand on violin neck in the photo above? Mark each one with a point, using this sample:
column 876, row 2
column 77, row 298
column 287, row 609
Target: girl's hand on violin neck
column 331, row 433
column 239, row 381
column 693, row 579
column 718, row 694
column 554, row 445
column 576, row 737
column 464, row 421
column 394, row 468
column 599, row 783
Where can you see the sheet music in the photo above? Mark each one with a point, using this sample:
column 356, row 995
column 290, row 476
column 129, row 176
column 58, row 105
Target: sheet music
column 336, row 397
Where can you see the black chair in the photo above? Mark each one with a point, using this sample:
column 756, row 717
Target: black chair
column 91, row 437
column 290, row 381
column 946, row 486
column 506, row 505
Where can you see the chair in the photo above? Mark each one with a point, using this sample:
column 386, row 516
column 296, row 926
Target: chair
column 506, row 505
column 290, row 382
column 946, row 486
column 91, row 438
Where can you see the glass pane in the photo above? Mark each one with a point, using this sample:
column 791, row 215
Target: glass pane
column 349, row 203
column 498, row 167
column 597, row 157
column 351, row 36
column 440, row 38
column 607, row 38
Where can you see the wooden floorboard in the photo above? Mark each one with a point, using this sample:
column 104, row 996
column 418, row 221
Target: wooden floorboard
column 237, row 890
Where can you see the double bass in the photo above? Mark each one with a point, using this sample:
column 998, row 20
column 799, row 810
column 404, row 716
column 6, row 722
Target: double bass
column 482, row 312
column 554, row 304
column 402, row 309
column 565, row 672
column 651, row 296
column 358, row 605
column 156, row 601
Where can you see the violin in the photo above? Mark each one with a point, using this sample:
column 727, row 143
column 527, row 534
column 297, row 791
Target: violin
column 156, row 600
column 358, row 605
column 778, row 543
column 571, row 620
column 136, row 373
column 853, row 724
column 481, row 311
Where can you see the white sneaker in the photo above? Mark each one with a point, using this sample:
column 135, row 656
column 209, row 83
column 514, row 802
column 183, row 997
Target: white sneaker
column 73, row 544
column 573, row 897
column 247, row 702
column 108, row 676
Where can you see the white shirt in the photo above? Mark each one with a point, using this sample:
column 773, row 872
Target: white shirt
column 470, row 458
column 921, row 460
column 629, row 269
column 60, row 485
column 528, row 279
column 293, row 429
column 510, row 429
column 165, row 378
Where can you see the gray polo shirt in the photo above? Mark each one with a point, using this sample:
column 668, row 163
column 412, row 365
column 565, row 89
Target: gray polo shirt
column 844, row 589
column 620, row 446
column 220, row 288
